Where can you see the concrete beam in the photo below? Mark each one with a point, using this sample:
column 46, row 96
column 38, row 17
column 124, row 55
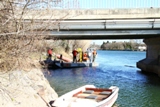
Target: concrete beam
column 92, row 13
column 103, row 34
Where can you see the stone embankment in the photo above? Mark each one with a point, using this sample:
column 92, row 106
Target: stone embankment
column 25, row 89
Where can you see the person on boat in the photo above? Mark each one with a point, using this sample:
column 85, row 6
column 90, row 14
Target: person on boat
column 94, row 55
column 74, row 52
column 85, row 58
column 89, row 55
column 80, row 55
column 50, row 53
column 60, row 58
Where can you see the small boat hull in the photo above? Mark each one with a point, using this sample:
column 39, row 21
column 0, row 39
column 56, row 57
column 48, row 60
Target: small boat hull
column 76, row 65
column 59, row 64
column 88, row 96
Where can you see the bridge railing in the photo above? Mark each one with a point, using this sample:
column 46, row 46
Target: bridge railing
column 95, row 24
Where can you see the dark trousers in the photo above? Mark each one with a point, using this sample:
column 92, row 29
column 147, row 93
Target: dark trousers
column 50, row 56
column 94, row 57
column 74, row 59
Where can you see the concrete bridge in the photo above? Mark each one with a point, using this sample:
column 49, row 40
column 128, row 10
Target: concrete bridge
column 94, row 14
column 138, row 23
column 100, row 29
column 106, row 24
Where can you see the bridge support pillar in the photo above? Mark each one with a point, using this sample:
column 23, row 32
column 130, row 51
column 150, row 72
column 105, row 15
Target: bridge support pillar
column 152, row 61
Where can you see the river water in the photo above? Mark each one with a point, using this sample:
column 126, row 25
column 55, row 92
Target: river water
column 137, row 89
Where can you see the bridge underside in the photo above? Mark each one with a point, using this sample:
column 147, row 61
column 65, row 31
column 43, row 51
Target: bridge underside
column 101, row 34
column 97, row 29
column 104, row 24
column 148, row 29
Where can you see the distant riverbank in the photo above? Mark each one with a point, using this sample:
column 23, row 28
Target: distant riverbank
column 122, row 50
column 124, row 46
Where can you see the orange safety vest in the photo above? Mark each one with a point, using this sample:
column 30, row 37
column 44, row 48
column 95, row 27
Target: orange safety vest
column 85, row 56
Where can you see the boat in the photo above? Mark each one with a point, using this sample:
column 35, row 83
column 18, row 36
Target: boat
column 88, row 96
column 75, row 65
column 64, row 62
column 52, row 64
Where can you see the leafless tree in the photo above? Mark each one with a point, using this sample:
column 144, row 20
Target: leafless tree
column 23, row 26
column 83, row 44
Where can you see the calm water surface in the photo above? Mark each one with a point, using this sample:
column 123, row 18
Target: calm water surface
column 115, row 68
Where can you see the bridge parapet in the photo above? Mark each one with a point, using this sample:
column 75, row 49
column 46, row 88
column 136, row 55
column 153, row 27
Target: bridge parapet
column 94, row 13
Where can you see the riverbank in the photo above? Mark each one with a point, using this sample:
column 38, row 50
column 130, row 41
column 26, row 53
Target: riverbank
column 27, row 86
column 25, row 89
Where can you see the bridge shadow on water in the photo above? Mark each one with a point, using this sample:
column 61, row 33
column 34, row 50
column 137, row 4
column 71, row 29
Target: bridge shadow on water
column 152, row 78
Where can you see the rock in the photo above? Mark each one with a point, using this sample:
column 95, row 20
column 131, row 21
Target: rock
column 25, row 89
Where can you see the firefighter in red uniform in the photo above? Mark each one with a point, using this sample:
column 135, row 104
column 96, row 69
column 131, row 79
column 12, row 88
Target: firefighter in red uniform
column 50, row 53
column 74, row 52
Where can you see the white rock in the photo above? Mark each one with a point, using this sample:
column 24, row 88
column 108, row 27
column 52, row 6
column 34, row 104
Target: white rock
column 25, row 89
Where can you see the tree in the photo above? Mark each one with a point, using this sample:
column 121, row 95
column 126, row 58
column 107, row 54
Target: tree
column 120, row 46
column 20, row 31
column 103, row 46
column 83, row 44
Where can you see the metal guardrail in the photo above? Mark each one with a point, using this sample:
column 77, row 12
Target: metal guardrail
column 100, row 24
column 111, row 24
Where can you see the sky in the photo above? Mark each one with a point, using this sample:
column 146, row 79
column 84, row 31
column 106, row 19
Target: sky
column 88, row 4
column 110, row 4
